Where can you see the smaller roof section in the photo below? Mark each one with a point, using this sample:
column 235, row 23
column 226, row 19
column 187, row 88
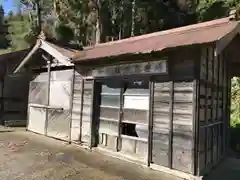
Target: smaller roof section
column 201, row 33
column 60, row 53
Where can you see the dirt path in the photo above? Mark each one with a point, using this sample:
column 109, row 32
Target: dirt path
column 27, row 156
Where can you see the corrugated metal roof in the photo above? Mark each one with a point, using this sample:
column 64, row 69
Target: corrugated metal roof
column 200, row 33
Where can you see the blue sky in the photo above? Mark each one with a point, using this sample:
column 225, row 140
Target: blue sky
column 8, row 5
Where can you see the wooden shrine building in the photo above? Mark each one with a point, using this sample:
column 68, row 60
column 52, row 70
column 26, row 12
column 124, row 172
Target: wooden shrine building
column 160, row 99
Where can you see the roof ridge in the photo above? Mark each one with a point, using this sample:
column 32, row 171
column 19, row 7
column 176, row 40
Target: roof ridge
column 182, row 29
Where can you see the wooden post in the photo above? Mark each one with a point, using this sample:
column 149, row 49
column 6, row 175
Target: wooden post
column 217, row 110
column 48, row 93
column 92, row 113
column 170, row 143
column 120, row 116
column 71, row 104
column 150, row 121
column 207, row 107
column 195, row 114
column 212, row 102
column 133, row 17
column 81, row 110
column 195, row 126
column 228, row 104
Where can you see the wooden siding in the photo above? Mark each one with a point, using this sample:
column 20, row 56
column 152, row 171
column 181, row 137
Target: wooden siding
column 212, row 107
column 182, row 126
column 77, row 108
column 81, row 110
column 87, row 111
column 181, row 145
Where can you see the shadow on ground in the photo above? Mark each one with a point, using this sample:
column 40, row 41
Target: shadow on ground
column 27, row 156
column 228, row 170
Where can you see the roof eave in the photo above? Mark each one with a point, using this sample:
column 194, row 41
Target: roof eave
column 223, row 41
column 41, row 44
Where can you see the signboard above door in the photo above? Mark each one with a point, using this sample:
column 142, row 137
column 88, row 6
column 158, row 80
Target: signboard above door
column 152, row 67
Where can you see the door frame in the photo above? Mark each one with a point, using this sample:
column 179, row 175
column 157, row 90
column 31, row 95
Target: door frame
column 99, row 82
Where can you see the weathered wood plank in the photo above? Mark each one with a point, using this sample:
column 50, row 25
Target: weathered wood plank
column 108, row 127
column 160, row 149
column 183, row 97
column 202, row 139
column 182, row 159
column 108, row 141
column 87, row 112
column 182, row 108
column 182, row 140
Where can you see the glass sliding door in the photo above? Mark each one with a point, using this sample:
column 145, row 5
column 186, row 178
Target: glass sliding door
column 109, row 114
column 123, row 119
column 134, row 119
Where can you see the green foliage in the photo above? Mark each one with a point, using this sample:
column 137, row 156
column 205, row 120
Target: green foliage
column 235, row 102
column 64, row 33
column 212, row 9
column 18, row 27
column 4, row 38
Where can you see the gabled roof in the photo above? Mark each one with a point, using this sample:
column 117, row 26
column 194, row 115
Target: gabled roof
column 220, row 31
column 61, row 54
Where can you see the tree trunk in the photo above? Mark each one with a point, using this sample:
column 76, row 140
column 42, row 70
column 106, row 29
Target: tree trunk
column 98, row 33
column 39, row 19
column 98, row 23
column 133, row 17
column 120, row 32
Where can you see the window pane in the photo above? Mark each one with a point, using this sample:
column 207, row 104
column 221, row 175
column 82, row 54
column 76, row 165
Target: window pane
column 136, row 102
column 109, row 113
column 136, row 96
column 139, row 116
column 136, row 91
column 108, row 89
column 110, row 100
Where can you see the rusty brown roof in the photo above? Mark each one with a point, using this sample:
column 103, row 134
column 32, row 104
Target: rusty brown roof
column 206, row 32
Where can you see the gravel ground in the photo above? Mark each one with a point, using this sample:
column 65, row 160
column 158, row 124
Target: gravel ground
column 27, row 156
